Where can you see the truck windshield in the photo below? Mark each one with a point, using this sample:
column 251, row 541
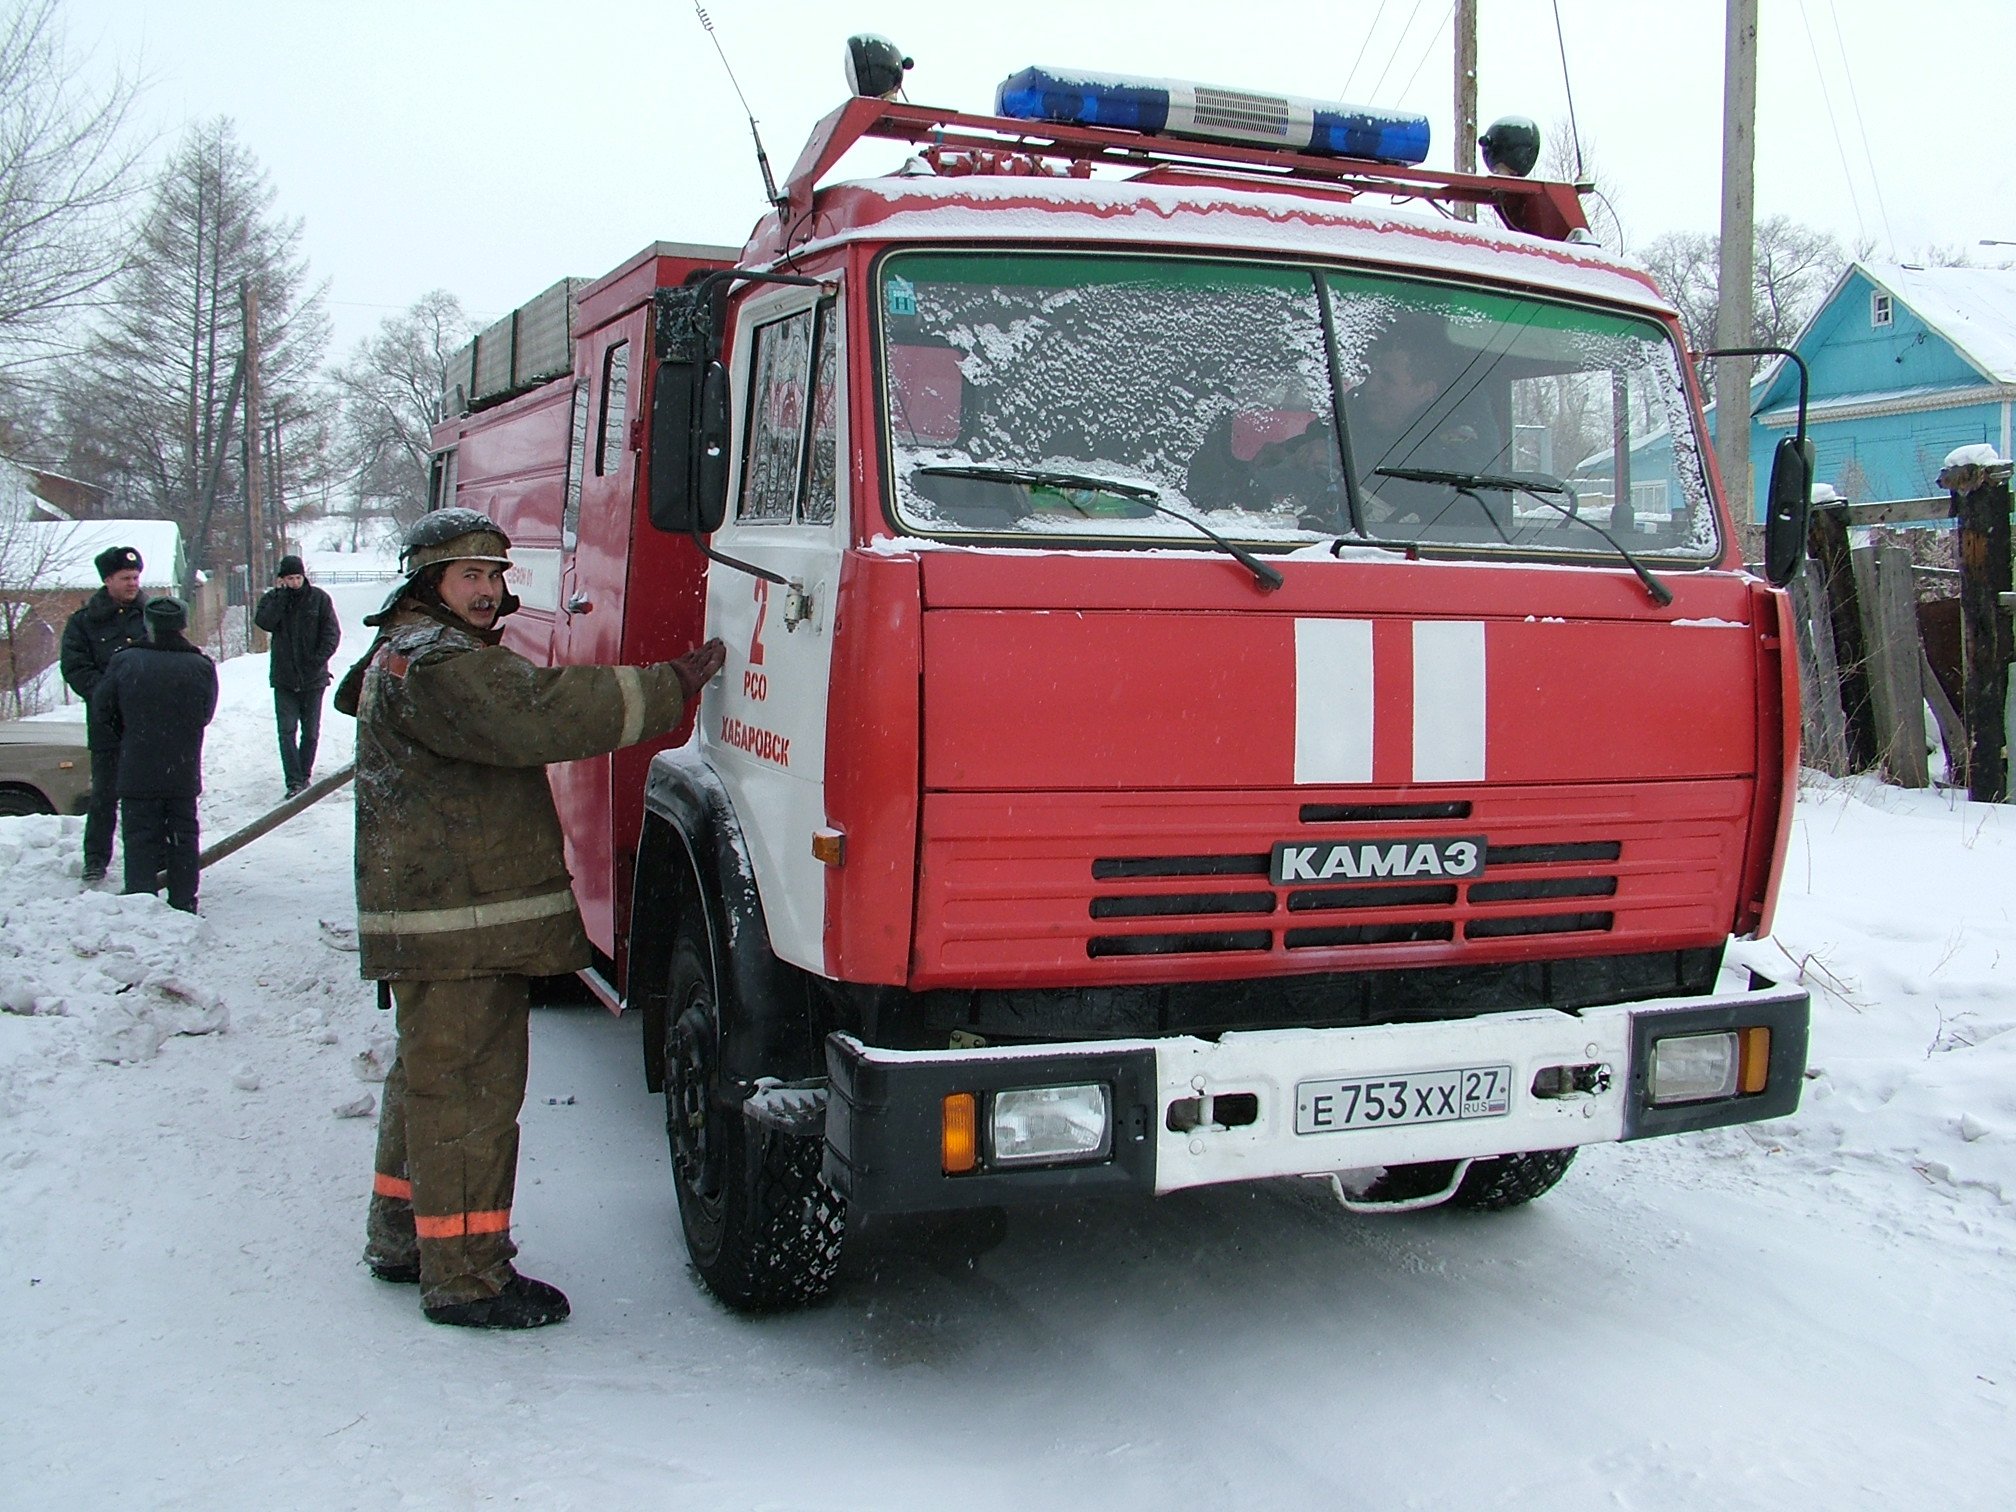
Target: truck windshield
column 1235, row 393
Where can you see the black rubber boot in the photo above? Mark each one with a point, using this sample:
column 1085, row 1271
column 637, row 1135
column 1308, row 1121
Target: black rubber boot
column 403, row 1272
column 524, row 1303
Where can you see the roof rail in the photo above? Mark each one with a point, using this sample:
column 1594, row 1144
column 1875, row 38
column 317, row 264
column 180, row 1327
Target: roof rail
column 1537, row 206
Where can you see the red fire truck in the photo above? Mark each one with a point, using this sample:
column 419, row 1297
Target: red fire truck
column 1235, row 672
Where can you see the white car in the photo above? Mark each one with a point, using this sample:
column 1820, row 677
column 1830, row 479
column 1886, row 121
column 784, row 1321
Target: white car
column 45, row 768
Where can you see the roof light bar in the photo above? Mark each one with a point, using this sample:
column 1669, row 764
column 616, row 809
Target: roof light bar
column 1209, row 113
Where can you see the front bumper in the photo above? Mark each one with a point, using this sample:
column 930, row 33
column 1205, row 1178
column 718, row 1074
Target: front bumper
column 883, row 1112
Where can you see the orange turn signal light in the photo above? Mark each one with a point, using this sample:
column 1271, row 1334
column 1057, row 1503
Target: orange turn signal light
column 959, row 1139
column 1753, row 1065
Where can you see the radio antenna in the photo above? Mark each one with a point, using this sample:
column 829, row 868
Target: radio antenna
column 762, row 157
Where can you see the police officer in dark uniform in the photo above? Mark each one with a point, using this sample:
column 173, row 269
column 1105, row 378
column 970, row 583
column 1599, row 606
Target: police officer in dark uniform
column 156, row 700
column 110, row 621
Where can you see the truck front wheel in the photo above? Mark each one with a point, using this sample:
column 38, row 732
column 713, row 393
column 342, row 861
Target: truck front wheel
column 762, row 1227
column 1509, row 1180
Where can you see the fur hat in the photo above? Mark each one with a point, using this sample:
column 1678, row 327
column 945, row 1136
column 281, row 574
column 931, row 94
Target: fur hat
column 165, row 615
column 115, row 559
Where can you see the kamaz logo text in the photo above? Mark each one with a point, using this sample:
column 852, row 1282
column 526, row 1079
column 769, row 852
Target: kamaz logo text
column 1361, row 860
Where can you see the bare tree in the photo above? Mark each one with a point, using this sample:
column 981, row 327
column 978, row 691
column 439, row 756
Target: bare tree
column 68, row 164
column 163, row 389
column 1569, row 161
column 1796, row 266
column 391, row 389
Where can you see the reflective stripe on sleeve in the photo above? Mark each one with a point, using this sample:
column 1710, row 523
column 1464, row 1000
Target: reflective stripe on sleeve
column 462, row 1225
column 457, row 920
column 391, row 1186
column 630, row 682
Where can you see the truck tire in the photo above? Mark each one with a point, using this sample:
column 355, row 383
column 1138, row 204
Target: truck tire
column 763, row 1229
column 1490, row 1186
column 17, row 801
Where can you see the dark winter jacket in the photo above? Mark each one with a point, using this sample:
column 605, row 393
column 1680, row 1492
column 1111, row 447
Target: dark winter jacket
column 156, row 699
column 91, row 637
column 460, row 871
column 305, row 631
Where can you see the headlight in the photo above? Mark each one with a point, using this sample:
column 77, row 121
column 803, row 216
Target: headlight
column 1693, row 1068
column 1051, row 1125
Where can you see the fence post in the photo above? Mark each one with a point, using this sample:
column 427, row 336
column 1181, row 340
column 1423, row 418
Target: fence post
column 1827, row 539
column 1982, row 503
column 1890, row 631
column 1824, row 734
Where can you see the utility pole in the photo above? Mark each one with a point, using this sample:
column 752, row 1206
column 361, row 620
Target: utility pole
column 1733, row 323
column 255, row 525
column 1466, row 96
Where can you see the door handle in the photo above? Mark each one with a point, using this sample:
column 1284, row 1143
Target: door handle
column 580, row 603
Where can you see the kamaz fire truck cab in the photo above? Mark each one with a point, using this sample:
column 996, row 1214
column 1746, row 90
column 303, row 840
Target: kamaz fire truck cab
column 1230, row 676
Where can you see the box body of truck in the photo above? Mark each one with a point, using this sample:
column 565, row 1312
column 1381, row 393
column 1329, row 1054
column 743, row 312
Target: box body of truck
column 1154, row 750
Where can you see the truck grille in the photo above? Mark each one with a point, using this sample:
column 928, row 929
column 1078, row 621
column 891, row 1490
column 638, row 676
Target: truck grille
column 1431, row 909
column 1034, row 888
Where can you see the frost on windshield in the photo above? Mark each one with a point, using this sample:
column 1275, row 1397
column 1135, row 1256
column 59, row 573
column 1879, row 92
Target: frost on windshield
column 1496, row 422
column 1018, row 385
column 1070, row 396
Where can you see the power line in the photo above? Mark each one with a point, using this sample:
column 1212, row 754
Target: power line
column 1827, row 99
column 1398, row 43
column 1433, row 37
column 1363, row 43
column 1862, row 130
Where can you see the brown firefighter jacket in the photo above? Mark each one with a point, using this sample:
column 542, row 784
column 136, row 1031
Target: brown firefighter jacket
column 460, row 871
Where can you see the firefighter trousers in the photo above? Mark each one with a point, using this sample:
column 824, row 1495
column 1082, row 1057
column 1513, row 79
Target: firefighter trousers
column 447, row 1158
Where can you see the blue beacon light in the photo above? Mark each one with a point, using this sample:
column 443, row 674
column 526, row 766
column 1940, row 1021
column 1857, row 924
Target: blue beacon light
column 1208, row 113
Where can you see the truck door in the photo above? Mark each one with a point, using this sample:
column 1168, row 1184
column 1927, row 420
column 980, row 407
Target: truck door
column 595, row 546
column 766, row 731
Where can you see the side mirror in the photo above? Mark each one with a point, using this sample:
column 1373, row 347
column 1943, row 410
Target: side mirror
column 689, row 448
column 1787, row 505
column 710, row 491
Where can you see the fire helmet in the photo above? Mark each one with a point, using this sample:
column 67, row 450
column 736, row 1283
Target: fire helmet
column 453, row 535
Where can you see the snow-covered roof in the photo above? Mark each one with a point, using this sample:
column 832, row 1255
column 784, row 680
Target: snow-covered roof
column 1973, row 308
column 62, row 550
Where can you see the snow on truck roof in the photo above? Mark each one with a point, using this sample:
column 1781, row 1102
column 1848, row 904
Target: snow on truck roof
column 1210, row 216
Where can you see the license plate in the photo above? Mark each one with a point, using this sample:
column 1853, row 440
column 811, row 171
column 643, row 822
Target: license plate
column 1413, row 1097
column 1293, row 861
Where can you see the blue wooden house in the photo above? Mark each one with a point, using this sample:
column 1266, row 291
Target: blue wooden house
column 1907, row 363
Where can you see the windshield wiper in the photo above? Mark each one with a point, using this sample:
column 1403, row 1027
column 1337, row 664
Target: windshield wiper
column 1542, row 489
column 1267, row 577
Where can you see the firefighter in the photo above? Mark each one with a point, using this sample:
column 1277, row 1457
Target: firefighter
column 110, row 621
column 463, row 893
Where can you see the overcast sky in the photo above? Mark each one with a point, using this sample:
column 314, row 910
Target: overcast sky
column 489, row 147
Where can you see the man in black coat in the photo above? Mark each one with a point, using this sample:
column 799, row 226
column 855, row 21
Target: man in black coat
column 305, row 631
column 109, row 622
column 157, row 698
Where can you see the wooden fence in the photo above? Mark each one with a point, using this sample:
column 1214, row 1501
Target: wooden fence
column 1865, row 672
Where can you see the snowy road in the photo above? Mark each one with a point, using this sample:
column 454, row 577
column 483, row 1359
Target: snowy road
column 1814, row 1314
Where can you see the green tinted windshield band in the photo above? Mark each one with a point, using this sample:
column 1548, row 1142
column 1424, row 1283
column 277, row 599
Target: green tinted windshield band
column 1483, row 309
column 1067, row 271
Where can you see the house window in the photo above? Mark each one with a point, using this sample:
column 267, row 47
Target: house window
column 1879, row 309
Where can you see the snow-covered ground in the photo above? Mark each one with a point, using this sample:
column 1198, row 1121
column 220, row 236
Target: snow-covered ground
column 1811, row 1313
